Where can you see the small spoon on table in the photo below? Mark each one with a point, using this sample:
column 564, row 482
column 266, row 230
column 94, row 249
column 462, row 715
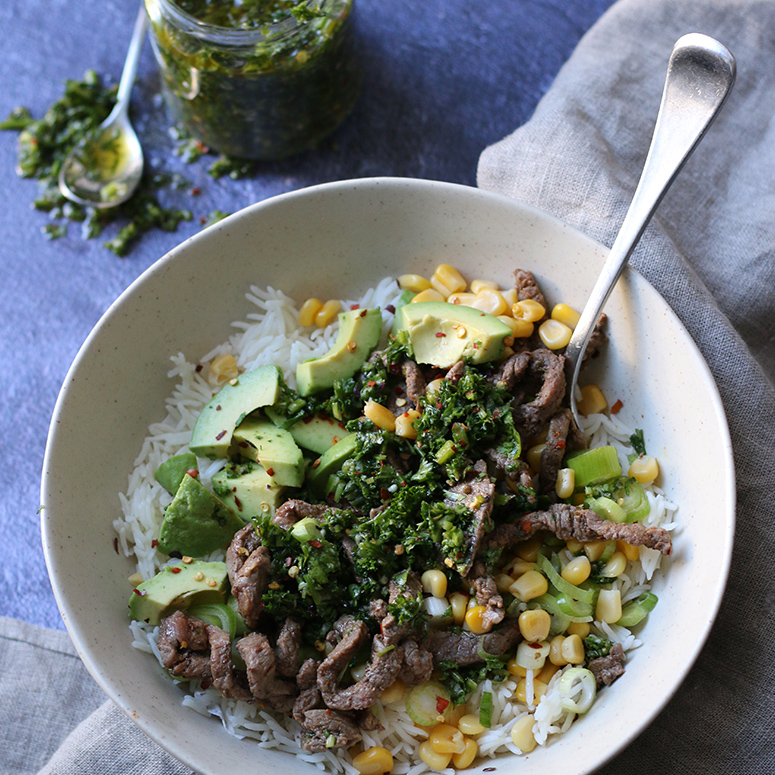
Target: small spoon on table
column 700, row 75
column 104, row 169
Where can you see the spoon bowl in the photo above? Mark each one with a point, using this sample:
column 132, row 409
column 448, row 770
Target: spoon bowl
column 105, row 167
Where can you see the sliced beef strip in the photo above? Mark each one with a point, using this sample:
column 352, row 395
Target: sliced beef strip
column 225, row 680
column 294, row 510
column 417, row 664
column 287, row 648
column 183, row 646
column 486, row 592
column 597, row 339
column 574, row 522
column 608, row 668
column 248, row 563
column 455, row 372
column 553, row 453
column 549, row 368
column 477, row 493
column 508, row 467
column 527, row 287
column 258, row 655
column 319, row 726
column 309, row 692
column 465, row 648
column 415, row 382
column 367, row 721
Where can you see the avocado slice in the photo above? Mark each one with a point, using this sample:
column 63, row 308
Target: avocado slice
column 330, row 462
column 316, row 433
column 213, row 430
column 442, row 334
column 247, row 489
column 260, row 440
column 196, row 522
column 177, row 587
column 359, row 332
column 171, row 472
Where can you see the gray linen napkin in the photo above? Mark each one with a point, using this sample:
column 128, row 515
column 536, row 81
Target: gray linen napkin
column 710, row 251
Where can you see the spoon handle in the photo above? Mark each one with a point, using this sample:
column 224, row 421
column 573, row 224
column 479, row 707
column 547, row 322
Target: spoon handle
column 700, row 75
column 132, row 58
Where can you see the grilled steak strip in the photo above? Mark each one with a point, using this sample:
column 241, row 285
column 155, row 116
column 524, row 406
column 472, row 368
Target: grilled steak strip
column 248, row 564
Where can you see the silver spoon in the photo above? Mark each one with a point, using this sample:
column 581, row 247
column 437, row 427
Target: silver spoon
column 104, row 169
column 700, row 75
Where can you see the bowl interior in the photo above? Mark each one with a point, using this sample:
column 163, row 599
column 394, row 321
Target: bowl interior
column 334, row 241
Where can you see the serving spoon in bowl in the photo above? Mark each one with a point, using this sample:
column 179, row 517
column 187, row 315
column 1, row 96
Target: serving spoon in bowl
column 105, row 168
column 700, row 75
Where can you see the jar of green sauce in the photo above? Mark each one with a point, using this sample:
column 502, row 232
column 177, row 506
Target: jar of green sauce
column 256, row 79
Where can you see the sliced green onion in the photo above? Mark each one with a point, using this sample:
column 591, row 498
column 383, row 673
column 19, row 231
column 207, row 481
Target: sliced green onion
column 446, row 451
column 558, row 606
column 306, row 530
column 607, row 509
column 633, row 499
column 565, row 588
column 217, row 614
column 485, row 710
column 427, row 702
column 595, row 466
column 577, row 688
column 637, row 610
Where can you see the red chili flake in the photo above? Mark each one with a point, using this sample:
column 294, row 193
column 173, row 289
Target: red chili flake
column 440, row 334
column 193, row 472
column 238, row 503
column 391, row 309
column 115, row 545
column 200, row 146
column 315, row 544
column 198, row 368
column 288, row 561
column 270, row 471
column 363, row 314
column 617, row 406
column 244, row 444
column 316, row 463
column 196, row 191
column 140, row 592
column 384, row 494
column 202, row 220
column 441, row 704
column 154, row 543
column 220, row 435
column 354, row 306
column 175, row 569
column 398, row 390
column 218, row 408
column 476, row 345
column 535, row 645
column 439, row 405
column 456, row 300
column 496, row 413
column 371, row 383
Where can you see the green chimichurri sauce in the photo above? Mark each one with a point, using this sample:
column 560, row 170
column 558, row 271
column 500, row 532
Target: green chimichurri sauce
column 261, row 79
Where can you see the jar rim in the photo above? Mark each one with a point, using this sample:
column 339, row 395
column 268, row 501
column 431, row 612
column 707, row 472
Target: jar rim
column 231, row 36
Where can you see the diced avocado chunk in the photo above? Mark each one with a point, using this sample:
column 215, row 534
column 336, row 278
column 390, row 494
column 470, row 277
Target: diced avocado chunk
column 213, row 430
column 316, row 433
column 359, row 332
column 176, row 587
column 260, row 440
column 171, row 472
column 247, row 489
column 330, row 462
column 442, row 334
column 196, row 522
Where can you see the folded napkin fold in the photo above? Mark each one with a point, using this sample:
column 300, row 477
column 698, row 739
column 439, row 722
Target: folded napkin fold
column 709, row 252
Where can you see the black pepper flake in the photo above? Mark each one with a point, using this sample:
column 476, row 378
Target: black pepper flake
column 115, row 545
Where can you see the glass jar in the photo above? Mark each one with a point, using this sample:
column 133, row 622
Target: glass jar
column 256, row 92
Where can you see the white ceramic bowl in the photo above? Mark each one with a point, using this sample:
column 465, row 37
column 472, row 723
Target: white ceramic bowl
column 336, row 240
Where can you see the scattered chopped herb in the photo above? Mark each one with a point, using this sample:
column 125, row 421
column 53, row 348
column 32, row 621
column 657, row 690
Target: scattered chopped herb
column 637, row 442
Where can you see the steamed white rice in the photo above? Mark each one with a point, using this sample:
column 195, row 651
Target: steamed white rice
column 270, row 334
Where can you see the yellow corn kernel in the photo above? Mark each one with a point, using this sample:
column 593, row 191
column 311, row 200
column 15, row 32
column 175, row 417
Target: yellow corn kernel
column 491, row 301
column 578, row 628
column 450, row 277
column 326, row 314
column 380, row 415
column 469, row 724
column 436, row 761
column 594, row 549
column 631, row 552
column 447, row 739
column 476, row 621
column 405, row 424
column 434, row 582
column 522, row 734
column 433, row 386
column 308, row 310
column 528, row 310
column 554, row 335
column 565, row 314
column 430, row 294
column 414, row 283
column 577, row 570
column 515, row 668
column 529, row 585
column 574, row 546
column 644, row 469
column 393, row 693
column 503, row 581
column 539, row 690
column 609, row 606
column 565, row 485
column 510, row 294
column 454, row 713
column 533, row 456
column 572, row 650
column 465, row 299
column 547, row 672
column 459, row 604
column 522, row 328
column 555, row 651
column 462, row 761
column 223, row 368
column 615, row 566
column 534, row 625
column 374, row 761
column 439, row 287
column 480, row 285
column 592, row 400
column 518, row 566
column 528, row 550
column 511, row 323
